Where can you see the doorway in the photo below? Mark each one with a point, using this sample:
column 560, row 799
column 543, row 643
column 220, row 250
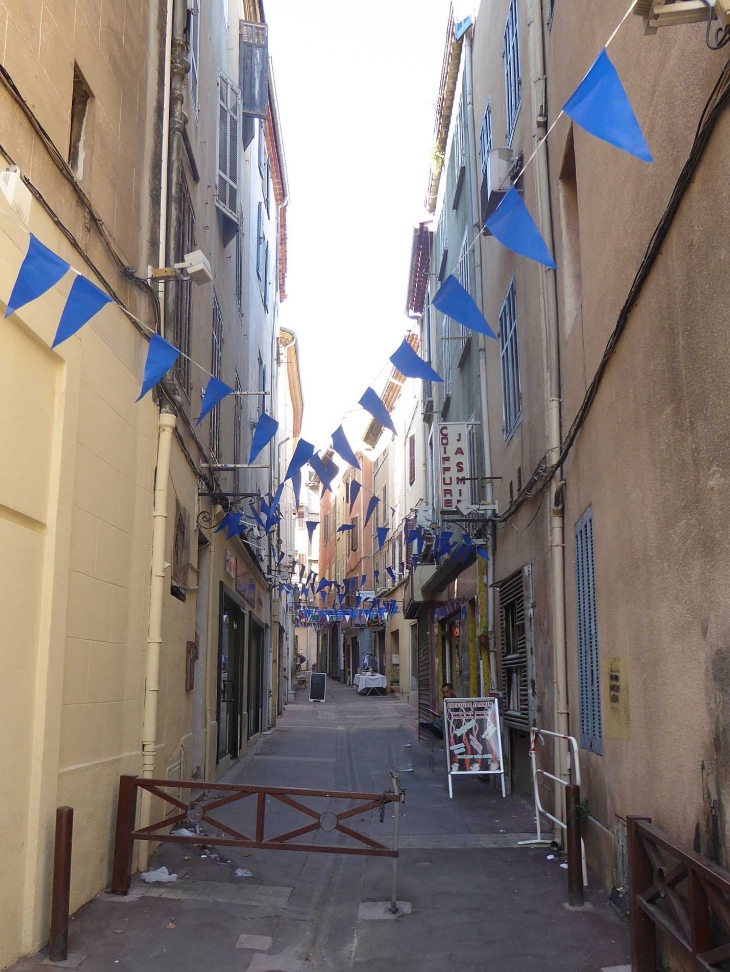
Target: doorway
column 230, row 677
column 255, row 676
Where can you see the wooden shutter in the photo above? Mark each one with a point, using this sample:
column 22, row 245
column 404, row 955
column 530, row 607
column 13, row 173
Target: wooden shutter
column 411, row 459
column 253, row 68
column 514, row 655
column 181, row 546
column 260, row 239
column 591, row 733
column 229, row 120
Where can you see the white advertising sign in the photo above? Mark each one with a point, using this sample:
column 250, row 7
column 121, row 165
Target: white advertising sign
column 454, row 465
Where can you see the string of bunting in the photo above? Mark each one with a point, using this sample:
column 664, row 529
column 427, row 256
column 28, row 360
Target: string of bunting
column 599, row 105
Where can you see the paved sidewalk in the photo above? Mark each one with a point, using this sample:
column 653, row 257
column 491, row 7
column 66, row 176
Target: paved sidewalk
column 478, row 900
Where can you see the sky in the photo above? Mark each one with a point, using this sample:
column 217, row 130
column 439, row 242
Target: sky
column 357, row 85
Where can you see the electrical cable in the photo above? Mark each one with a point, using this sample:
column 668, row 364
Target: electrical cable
column 544, row 472
column 722, row 34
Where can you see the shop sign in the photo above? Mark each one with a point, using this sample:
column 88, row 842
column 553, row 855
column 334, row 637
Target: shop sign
column 231, row 564
column 455, row 469
column 445, row 609
column 473, row 743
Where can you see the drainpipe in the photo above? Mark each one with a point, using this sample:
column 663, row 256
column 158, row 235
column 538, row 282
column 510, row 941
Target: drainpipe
column 179, row 66
column 482, row 346
column 549, row 313
column 157, row 590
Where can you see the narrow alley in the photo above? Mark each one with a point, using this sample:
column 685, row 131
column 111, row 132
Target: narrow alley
column 477, row 899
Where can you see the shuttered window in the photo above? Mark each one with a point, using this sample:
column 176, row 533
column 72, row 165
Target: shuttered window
column 260, row 244
column 510, row 361
column 411, row 459
column 515, row 682
column 266, row 281
column 194, row 38
column 180, row 552
column 471, row 447
column 465, row 280
column 485, row 138
column 183, row 319
column 253, row 67
column 229, row 136
column 215, row 367
column 591, row 733
column 512, row 72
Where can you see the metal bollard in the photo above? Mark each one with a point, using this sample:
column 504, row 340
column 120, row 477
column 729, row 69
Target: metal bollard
column 573, row 846
column 396, row 809
column 58, row 945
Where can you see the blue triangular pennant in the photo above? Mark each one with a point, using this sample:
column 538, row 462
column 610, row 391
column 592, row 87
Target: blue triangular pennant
column 371, row 507
column 302, row 454
column 161, row 356
column 372, row 403
column 234, row 525
column 84, row 300
column 345, row 527
column 296, row 482
column 215, row 391
column 40, row 270
column 354, row 490
column 342, row 447
column 326, row 473
column 265, row 430
column 411, row 365
column 311, row 527
column 458, row 304
column 600, row 106
column 512, row 225
column 382, row 534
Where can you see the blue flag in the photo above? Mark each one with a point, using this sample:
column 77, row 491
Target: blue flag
column 389, row 571
column 452, row 300
column 40, row 270
column 161, row 356
column 354, row 490
column 411, row 365
column 345, row 527
column 84, row 300
column 371, row 507
column 311, row 527
column 326, row 472
column 215, row 391
column 600, row 106
column 296, row 482
column 265, row 430
column 342, row 447
column 302, row 454
column 512, row 225
column 234, row 525
column 382, row 534
column 372, row 403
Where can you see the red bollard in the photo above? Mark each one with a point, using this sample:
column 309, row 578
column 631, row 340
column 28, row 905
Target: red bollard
column 58, row 945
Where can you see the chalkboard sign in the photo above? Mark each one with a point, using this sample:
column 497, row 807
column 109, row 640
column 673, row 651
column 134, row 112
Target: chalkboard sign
column 317, row 686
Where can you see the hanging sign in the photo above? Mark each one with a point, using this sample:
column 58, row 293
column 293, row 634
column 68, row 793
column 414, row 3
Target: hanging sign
column 473, row 743
column 455, row 465
column 317, row 686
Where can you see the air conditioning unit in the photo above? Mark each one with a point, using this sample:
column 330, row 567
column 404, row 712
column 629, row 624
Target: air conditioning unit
column 670, row 13
column 16, row 192
column 496, row 180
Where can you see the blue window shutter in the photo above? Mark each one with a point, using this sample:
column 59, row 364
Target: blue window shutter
column 589, row 684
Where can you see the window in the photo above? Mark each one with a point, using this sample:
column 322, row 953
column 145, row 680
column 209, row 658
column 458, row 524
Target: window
column 591, row 733
column 572, row 274
column 237, row 432
column 229, row 134
column 215, row 367
column 180, row 552
column 262, row 151
column 354, row 540
column 446, row 356
column 183, row 321
column 485, row 138
column 326, row 529
column 301, row 523
column 239, row 266
column 266, row 281
column 194, row 38
column 262, row 386
column 465, row 280
column 384, row 506
column 459, row 153
column 411, row 459
column 79, row 124
column 515, row 682
column 510, row 361
column 260, row 244
column 267, row 187
column 512, row 79
column 443, row 243
column 253, row 68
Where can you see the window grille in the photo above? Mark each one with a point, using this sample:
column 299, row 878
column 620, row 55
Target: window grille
column 194, row 37
column 184, row 305
column 485, row 138
column 515, row 682
column 512, row 78
column 510, row 362
column 237, row 433
column 411, row 459
column 215, row 368
column 229, row 137
column 591, row 733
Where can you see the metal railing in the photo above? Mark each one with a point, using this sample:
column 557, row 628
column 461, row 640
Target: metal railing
column 574, row 845
column 696, row 917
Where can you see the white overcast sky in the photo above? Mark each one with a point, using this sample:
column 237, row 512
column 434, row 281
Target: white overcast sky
column 357, row 84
